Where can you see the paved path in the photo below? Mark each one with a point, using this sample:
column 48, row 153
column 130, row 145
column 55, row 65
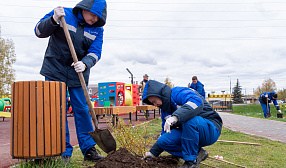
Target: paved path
column 274, row 130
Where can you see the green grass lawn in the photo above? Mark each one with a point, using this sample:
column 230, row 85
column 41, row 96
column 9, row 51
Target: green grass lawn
column 269, row 154
column 255, row 110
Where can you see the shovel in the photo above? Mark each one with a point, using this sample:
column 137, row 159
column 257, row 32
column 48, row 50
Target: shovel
column 102, row 137
column 267, row 105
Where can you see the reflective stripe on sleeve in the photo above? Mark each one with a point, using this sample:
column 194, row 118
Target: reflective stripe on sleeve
column 94, row 56
column 193, row 105
column 37, row 30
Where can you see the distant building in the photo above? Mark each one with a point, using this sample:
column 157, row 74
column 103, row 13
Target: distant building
column 250, row 99
column 92, row 90
column 213, row 98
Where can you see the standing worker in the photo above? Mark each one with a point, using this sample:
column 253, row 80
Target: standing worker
column 265, row 99
column 85, row 23
column 141, row 88
column 185, row 130
column 142, row 85
column 198, row 86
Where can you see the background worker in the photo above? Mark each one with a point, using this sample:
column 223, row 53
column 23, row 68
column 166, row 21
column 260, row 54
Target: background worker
column 265, row 99
column 142, row 85
column 185, row 130
column 198, row 86
column 85, row 22
column 141, row 88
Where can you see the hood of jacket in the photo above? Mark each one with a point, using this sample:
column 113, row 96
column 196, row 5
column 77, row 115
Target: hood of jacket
column 155, row 88
column 97, row 7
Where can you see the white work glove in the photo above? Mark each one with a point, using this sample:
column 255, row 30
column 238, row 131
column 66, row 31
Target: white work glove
column 58, row 13
column 169, row 122
column 148, row 156
column 279, row 111
column 79, row 66
column 266, row 95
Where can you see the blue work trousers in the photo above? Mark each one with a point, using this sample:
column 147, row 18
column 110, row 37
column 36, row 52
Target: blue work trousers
column 264, row 108
column 185, row 143
column 82, row 121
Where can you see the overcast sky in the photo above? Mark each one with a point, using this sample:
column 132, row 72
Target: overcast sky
column 219, row 41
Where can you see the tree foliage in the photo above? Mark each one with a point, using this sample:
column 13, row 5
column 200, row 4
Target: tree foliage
column 268, row 85
column 237, row 96
column 7, row 58
column 281, row 94
column 168, row 82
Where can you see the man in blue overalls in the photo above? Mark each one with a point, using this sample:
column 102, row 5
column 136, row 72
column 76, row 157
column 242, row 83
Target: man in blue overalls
column 85, row 24
column 265, row 99
column 198, row 86
column 185, row 130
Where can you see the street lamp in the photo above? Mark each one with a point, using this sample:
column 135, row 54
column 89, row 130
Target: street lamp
column 131, row 75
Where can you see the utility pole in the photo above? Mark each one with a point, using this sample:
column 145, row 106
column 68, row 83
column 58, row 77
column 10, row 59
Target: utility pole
column 131, row 75
column 253, row 97
column 245, row 96
column 229, row 85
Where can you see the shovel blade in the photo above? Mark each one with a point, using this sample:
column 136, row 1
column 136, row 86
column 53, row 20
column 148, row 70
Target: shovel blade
column 104, row 140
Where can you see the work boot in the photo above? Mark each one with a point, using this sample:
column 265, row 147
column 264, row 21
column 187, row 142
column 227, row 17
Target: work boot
column 202, row 155
column 190, row 164
column 92, row 155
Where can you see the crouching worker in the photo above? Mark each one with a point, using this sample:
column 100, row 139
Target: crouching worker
column 185, row 130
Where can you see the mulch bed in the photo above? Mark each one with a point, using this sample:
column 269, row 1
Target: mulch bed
column 122, row 158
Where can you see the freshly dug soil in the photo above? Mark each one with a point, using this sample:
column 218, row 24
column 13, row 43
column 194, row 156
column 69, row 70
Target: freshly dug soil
column 122, row 158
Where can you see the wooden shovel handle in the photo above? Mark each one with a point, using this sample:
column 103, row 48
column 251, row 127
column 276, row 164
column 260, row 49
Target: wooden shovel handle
column 80, row 75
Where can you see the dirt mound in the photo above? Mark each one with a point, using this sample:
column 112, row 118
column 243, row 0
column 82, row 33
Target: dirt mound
column 122, row 158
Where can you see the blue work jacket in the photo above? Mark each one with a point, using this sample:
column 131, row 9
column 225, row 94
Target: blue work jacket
column 199, row 87
column 269, row 98
column 190, row 103
column 87, row 40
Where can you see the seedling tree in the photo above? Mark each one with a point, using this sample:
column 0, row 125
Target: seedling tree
column 134, row 138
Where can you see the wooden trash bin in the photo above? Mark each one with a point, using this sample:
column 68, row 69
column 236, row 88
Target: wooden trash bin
column 38, row 111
